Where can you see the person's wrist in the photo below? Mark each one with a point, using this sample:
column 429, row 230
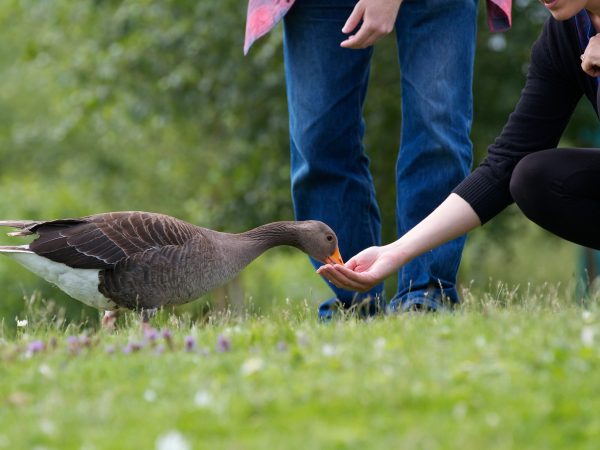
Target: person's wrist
column 398, row 253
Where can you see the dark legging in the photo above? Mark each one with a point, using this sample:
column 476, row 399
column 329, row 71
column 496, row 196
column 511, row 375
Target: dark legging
column 559, row 189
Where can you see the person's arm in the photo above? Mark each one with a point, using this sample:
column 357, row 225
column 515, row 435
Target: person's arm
column 554, row 86
column 453, row 218
column 376, row 18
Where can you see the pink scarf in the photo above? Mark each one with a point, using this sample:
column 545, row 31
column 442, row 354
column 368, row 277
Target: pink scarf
column 263, row 15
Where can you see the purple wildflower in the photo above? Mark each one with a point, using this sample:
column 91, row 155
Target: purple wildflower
column 73, row 344
column 85, row 340
column 223, row 344
column 151, row 334
column 190, row 343
column 136, row 346
column 167, row 336
column 36, row 347
column 110, row 349
column 160, row 348
column 132, row 347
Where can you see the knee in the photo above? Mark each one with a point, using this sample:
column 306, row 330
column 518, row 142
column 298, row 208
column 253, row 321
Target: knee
column 529, row 186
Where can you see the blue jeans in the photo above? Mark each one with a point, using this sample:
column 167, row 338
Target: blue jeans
column 326, row 88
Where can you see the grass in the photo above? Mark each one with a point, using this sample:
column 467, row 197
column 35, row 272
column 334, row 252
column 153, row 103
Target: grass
column 512, row 370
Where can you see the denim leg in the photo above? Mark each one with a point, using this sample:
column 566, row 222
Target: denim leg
column 326, row 88
column 436, row 45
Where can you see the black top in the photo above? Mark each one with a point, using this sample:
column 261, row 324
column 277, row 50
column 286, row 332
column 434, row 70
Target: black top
column 555, row 83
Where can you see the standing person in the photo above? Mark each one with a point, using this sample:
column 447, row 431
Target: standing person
column 557, row 189
column 327, row 54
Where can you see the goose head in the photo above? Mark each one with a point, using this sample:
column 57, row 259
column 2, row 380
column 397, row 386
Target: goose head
column 319, row 241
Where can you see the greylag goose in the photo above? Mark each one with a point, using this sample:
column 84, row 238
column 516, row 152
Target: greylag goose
column 143, row 261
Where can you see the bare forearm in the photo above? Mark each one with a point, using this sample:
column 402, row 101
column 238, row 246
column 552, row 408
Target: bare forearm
column 453, row 218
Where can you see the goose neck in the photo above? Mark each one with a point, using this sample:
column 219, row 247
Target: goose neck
column 272, row 235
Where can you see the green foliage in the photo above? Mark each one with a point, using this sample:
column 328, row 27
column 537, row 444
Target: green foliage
column 144, row 105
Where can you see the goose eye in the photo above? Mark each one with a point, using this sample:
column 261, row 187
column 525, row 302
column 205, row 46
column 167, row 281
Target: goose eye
column 329, row 237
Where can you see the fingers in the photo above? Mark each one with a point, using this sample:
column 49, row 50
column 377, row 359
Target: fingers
column 590, row 59
column 345, row 278
column 590, row 68
column 340, row 280
column 354, row 18
column 373, row 18
column 363, row 39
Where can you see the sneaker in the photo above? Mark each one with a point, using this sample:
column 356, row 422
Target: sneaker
column 427, row 300
column 364, row 306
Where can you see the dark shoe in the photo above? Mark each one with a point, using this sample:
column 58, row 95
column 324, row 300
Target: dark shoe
column 427, row 300
column 364, row 306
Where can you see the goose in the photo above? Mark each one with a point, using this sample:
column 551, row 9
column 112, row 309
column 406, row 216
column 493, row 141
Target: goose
column 142, row 261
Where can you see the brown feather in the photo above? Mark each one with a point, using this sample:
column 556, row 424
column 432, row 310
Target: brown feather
column 100, row 241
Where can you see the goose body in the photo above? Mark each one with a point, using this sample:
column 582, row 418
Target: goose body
column 142, row 261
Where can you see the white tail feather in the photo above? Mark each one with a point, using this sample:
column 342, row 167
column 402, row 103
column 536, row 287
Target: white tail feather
column 81, row 284
column 19, row 233
column 22, row 225
column 14, row 249
column 17, row 223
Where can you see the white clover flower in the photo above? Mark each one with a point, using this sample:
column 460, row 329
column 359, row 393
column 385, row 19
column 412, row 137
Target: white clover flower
column 251, row 366
column 459, row 411
column 492, row 419
column 587, row 316
column 46, row 371
column 150, row 395
column 202, row 399
column 379, row 344
column 328, row 350
column 480, row 341
column 172, row 440
column 47, row 427
column 587, row 336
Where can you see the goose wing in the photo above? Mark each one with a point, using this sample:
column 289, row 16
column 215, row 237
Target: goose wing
column 100, row 241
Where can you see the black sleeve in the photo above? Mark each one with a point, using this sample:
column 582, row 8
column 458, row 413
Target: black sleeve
column 546, row 104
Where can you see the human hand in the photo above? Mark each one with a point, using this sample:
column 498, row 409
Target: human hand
column 590, row 60
column 453, row 218
column 364, row 271
column 378, row 19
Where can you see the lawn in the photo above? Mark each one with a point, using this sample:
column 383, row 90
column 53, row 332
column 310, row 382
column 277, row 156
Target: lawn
column 507, row 371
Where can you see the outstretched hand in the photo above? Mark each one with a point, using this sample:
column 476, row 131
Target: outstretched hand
column 453, row 218
column 378, row 19
column 364, row 271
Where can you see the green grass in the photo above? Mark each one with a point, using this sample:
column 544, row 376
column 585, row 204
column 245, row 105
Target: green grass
column 509, row 370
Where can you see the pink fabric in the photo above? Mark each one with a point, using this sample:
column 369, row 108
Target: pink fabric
column 499, row 14
column 263, row 15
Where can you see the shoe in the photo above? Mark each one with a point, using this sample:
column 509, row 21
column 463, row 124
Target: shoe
column 364, row 306
column 426, row 300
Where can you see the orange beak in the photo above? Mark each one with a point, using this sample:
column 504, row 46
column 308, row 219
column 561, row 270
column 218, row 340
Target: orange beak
column 335, row 258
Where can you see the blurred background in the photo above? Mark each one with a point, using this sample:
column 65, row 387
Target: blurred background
column 112, row 105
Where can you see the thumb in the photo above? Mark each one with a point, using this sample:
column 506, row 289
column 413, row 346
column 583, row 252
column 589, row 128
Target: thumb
column 354, row 18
